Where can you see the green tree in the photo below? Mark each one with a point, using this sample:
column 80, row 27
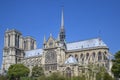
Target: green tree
column 3, row 77
column 16, row 71
column 107, row 77
column 101, row 72
column 116, row 65
column 55, row 76
column 37, row 71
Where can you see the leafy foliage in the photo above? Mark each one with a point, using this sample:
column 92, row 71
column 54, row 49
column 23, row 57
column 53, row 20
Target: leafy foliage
column 103, row 75
column 3, row 77
column 107, row 77
column 17, row 71
column 58, row 76
column 116, row 65
column 37, row 71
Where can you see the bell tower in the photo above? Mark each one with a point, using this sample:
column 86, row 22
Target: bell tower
column 12, row 51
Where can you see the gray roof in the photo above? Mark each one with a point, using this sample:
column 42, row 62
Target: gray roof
column 32, row 53
column 96, row 42
column 71, row 60
column 85, row 44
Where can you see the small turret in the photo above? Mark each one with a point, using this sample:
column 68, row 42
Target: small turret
column 44, row 40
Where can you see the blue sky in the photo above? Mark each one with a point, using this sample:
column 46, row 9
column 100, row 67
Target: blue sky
column 84, row 19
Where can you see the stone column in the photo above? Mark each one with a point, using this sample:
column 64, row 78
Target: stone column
column 96, row 56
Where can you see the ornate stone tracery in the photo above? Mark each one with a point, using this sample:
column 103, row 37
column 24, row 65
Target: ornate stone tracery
column 50, row 60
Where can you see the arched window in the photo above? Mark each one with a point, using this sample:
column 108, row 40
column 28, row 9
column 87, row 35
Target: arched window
column 99, row 56
column 51, row 59
column 18, row 42
column 15, row 40
column 68, row 72
column 93, row 55
column 32, row 44
column 8, row 40
column 105, row 55
column 70, row 55
column 81, row 55
column 76, row 56
column 87, row 55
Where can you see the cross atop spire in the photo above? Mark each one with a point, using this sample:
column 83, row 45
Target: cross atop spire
column 62, row 20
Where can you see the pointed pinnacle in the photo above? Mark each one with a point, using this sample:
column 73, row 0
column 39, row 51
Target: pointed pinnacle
column 62, row 20
column 44, row 39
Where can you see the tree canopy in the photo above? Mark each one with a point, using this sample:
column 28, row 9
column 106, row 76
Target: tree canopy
column 17, row 71
column 116, row 65
column 37, row 71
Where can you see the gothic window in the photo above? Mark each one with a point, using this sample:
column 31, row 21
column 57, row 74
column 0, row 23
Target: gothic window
column 68, row 72
column 18, row 41
column 51, row 60
column 93, row 55
column 8, row 40
column 99, row 56
column 51, row 57
column 105, row 55
column 76, row 56
column 32, row 44
column 50, row 44
column 15, row 40
column 81, row 56
column 87, row 55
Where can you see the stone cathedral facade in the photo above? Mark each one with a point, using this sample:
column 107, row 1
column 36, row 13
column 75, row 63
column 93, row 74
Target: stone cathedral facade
column 56, row 55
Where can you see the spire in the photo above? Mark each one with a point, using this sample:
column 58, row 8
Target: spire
column 62, row 30
column 44, row 39
column 62, row 20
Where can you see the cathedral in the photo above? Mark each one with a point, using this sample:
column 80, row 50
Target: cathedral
column 56, row 55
